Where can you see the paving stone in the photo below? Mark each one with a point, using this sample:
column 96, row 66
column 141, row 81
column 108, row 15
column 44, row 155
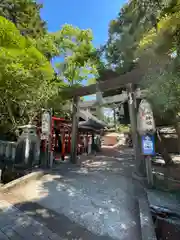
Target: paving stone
column 3, row 236
column 7, row 220
column 11, row 234
column 25, row 233
column 17, row 225
column 41, row 231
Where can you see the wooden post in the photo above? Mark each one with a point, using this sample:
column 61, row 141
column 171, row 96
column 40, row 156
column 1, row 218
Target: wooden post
column 139, row 161
column 69, row 141
column 75, row 121
column 149, row 174
column 63, row 144
column 50, row 141
column 114, row 118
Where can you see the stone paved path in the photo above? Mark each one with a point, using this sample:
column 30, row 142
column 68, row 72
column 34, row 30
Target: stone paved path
column 16, row 225
column 96, row 200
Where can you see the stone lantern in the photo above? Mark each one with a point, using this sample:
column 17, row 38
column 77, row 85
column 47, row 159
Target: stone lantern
column 28, row 148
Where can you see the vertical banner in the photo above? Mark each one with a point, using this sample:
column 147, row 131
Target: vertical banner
column 45, row 125
column 145, row 118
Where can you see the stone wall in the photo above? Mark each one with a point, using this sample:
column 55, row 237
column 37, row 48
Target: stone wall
column 170, row 142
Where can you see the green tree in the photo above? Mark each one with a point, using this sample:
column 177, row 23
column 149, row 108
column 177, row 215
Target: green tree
column 76, row 50
column 157, row 44
column 121, row 43
column 25, row 14
column 25, row 77
column 149, row 30
column 134, row 20
column 46, row 45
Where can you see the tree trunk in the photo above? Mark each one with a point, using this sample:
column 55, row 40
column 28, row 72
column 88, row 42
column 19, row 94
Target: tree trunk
column 12, row 118
column 177, row 128
column 163, row 151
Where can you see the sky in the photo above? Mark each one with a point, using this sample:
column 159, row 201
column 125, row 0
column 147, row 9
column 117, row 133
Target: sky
column 94, row 14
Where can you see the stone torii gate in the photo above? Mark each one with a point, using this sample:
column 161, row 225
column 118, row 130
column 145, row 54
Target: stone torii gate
column 128, row 81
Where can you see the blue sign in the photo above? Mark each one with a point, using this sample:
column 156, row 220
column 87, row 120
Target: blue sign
column 148, row 146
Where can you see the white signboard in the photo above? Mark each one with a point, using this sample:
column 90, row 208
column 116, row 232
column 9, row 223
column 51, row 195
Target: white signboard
column 46, row 123
column 145, row 118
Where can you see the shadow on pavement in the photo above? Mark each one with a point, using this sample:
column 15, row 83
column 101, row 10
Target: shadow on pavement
column 95, row 200
column 58, row 223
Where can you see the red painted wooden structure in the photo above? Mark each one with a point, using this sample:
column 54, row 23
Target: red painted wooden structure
column 60, row 136
column 61, row 132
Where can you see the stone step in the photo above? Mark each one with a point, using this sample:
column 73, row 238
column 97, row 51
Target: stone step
column 15, row 224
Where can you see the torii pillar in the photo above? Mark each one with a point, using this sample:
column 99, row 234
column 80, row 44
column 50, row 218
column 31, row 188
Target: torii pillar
column 139, row 161
column 75, row 122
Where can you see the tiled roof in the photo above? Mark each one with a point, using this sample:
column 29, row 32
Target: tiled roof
column 89, row 119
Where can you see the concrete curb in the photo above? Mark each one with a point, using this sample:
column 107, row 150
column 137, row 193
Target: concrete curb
column 147, row 225
column 166, row 178
column 22, row 180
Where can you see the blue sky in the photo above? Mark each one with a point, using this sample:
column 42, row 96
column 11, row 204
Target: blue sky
column 94, row 14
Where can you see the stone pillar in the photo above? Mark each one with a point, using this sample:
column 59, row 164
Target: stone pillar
column 139, row 161
column 75, row 122
column 99, row 102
